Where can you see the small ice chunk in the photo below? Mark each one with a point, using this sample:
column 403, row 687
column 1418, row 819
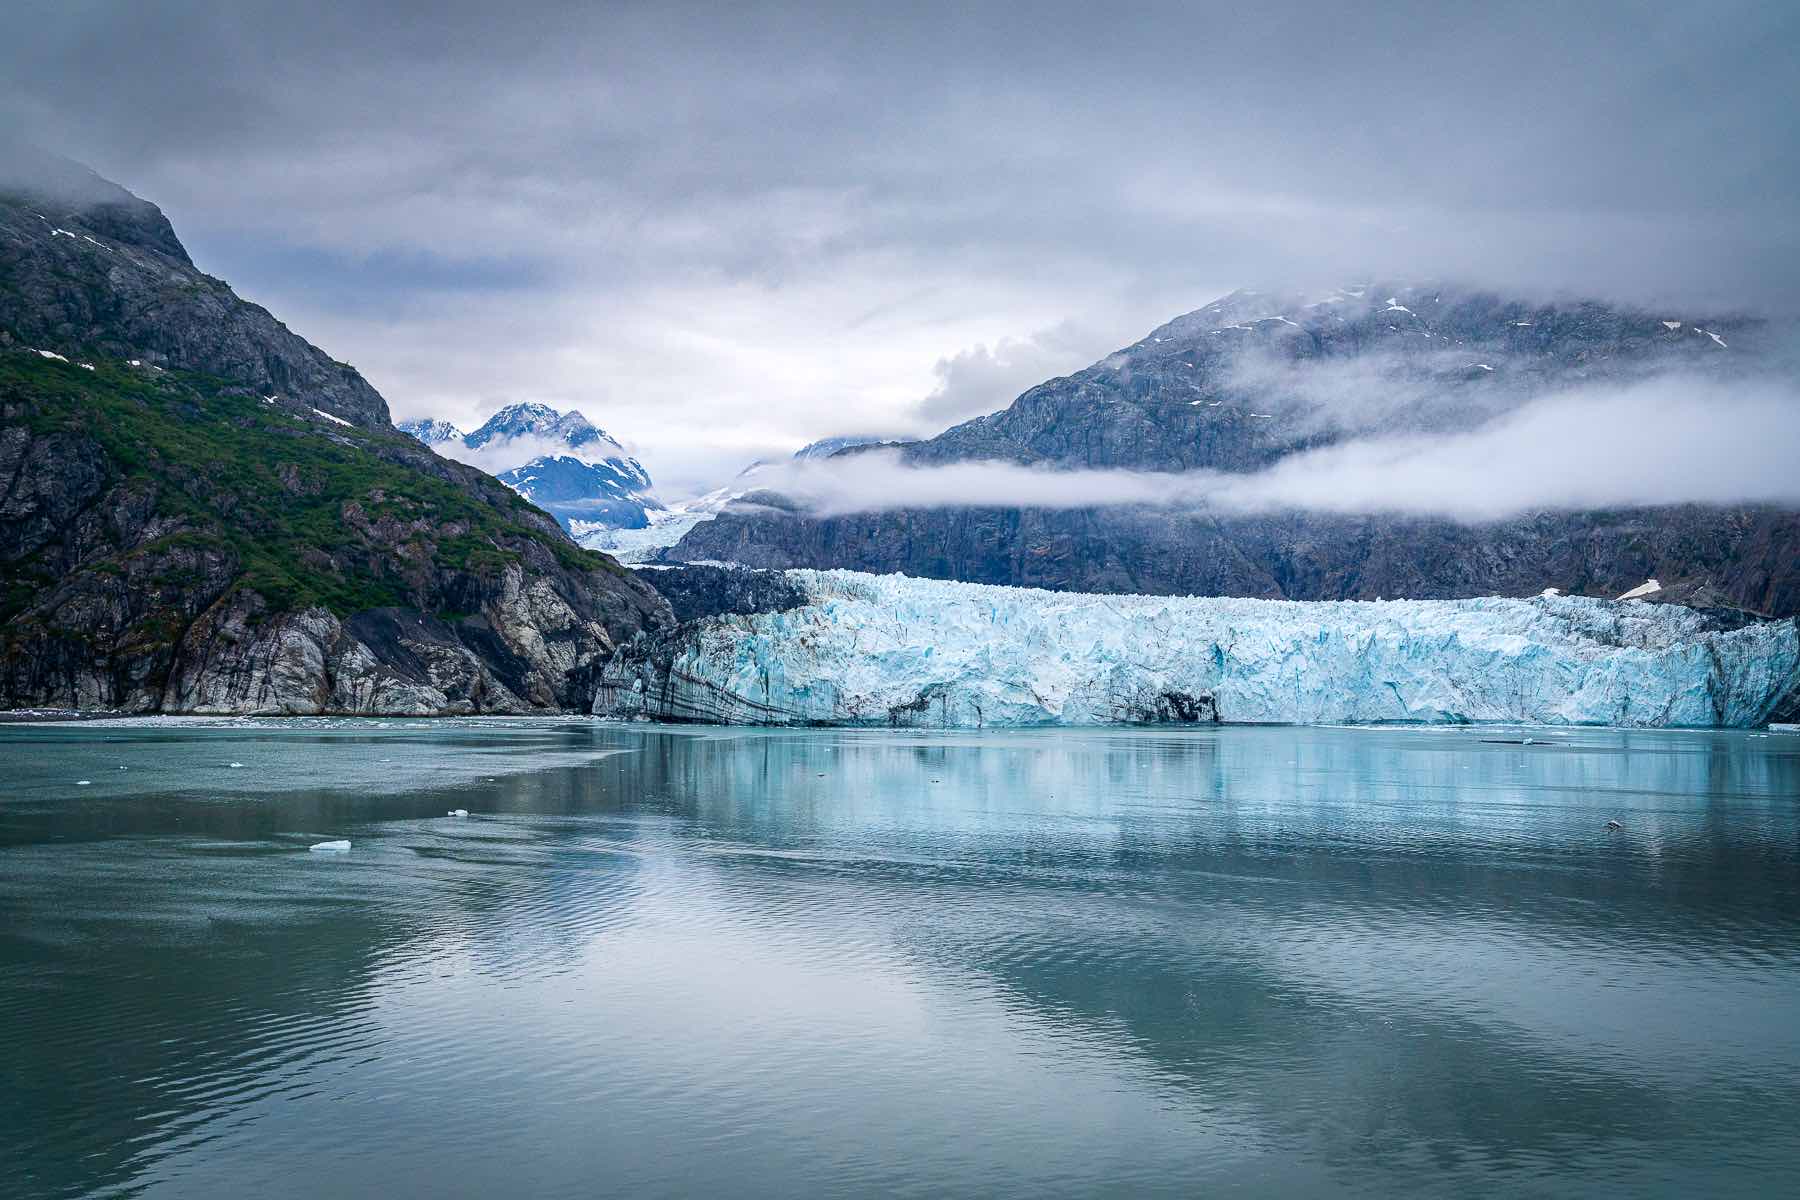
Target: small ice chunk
column 457, row 812
column 332, row 847
column 83, row 782
column 237, row 764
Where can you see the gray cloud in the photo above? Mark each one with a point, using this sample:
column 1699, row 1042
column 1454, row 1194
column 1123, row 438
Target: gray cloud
column 983, row 379
column 716, row 228
column 1665, row 440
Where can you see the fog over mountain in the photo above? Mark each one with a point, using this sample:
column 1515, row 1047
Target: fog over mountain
column 739, row 231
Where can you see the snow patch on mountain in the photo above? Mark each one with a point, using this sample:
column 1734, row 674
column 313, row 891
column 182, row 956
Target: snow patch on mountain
column 887, row 649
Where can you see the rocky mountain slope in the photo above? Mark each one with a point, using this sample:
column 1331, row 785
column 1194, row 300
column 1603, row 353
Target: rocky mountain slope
column 201, row 512
column 85, row 264
column 561, row 462
column 1247, row 381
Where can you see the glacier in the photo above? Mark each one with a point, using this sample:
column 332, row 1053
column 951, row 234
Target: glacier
column 893, row 650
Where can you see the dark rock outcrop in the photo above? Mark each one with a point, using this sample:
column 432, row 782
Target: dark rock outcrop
column 1750, row 555
column 698, row 591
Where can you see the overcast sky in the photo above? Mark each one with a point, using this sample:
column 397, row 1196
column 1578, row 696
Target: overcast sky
column 721, row 234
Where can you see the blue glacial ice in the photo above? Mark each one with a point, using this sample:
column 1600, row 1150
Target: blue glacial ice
column 890, row 650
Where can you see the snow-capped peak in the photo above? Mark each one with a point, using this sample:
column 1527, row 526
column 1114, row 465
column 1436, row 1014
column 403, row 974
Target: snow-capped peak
column 432, row 431
column 540, row 421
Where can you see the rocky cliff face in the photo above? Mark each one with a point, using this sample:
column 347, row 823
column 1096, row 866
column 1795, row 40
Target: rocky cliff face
column 697, row 592
column 200, row 512
column 1245, row 382
column 1750, row 556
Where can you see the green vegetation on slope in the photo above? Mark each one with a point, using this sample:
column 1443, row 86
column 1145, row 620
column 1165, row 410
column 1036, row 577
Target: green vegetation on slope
column 315, row 513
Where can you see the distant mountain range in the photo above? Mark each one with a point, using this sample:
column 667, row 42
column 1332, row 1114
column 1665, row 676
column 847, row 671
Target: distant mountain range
column 1256, row 377
column 572, row 469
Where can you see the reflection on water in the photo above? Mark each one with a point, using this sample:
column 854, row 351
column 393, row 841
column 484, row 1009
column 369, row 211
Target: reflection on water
column 1064, row 963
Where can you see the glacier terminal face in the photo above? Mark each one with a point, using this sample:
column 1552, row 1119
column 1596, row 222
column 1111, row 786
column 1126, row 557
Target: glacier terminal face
column 891, row 650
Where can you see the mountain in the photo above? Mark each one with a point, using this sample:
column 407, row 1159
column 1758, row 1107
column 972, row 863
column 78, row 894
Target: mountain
column 85, row 264
column 431, row 432
column 519, row 421
column 566, row 465
column 202, row 512
column 1256, row 377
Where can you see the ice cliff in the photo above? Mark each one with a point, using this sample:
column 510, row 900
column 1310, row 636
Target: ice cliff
column 887, row 649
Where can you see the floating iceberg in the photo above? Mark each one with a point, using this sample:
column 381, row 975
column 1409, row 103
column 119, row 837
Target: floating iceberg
column 889, row 650
column 330, row 847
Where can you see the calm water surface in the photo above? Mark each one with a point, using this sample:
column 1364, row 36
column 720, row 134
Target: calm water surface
column 1257, row 962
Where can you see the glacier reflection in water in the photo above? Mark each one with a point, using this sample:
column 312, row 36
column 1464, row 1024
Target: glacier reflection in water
column 1277, row 961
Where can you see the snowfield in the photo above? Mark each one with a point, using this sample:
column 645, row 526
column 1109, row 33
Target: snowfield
column 880, row 650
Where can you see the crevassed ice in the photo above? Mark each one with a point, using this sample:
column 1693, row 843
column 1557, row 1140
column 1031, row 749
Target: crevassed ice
column 892, row 650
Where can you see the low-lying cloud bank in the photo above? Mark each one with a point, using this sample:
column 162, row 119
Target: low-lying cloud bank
column 1666, row 441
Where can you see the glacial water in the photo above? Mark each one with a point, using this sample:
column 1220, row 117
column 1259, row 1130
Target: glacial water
column 1238, row 961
